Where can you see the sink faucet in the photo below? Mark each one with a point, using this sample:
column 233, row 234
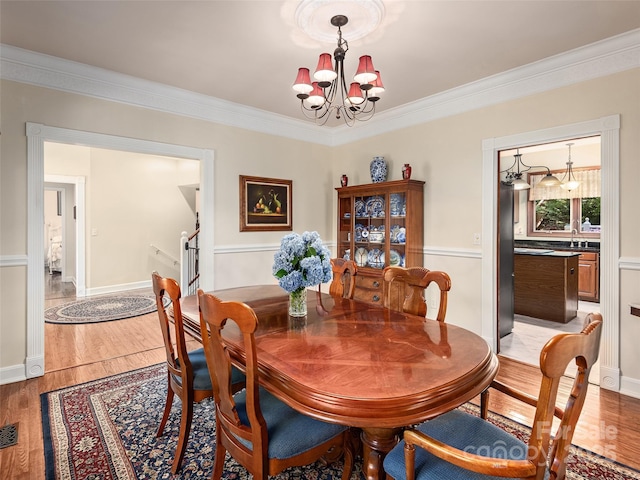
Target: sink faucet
column 573, row 232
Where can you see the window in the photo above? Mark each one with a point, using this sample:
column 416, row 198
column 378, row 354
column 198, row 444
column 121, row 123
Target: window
column 553, row 211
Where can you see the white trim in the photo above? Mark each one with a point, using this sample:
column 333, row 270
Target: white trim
column 599, row 59
column 452, row 252
column 433, row 251
column 630, row 386
column 607, row 57
column 234, row 249
column 13, row 260
column 123, row 287
column 37, row 135
column 629, row 263
column 12, row 374
column 42, row 70
column 609, row 130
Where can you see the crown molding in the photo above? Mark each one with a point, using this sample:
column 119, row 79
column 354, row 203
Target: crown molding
column 607, row 57
column 25, row 66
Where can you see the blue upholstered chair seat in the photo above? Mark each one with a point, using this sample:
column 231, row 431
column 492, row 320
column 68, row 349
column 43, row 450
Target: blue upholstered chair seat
column 290, row 432
column 465, row 432
column 201, row 377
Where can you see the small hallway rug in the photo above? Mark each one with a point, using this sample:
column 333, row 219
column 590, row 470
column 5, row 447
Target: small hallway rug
column 101, row 309
column 105, row 430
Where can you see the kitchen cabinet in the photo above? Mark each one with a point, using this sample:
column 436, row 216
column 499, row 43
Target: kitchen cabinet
column 546, row 285
column 589, row 277
column 380, row 224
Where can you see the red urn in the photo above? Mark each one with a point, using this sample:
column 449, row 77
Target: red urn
column 344, row 180
column 406, row 171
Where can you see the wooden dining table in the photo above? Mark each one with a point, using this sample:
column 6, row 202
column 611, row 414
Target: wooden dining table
column 357, row 364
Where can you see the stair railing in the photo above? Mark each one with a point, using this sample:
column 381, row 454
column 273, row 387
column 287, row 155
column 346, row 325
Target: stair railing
column 189, row 263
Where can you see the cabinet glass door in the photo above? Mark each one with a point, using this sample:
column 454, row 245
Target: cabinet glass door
column 345, row 228
column 370, row 231
column 397, row 229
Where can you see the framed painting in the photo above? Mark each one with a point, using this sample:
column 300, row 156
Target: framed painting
column 265, row 204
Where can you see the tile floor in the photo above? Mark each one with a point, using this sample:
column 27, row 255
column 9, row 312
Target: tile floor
column 530, row 334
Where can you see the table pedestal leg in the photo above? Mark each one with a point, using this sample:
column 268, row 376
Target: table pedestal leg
column 377, row 442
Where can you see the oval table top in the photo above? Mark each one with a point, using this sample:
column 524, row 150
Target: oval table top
column 358, row 364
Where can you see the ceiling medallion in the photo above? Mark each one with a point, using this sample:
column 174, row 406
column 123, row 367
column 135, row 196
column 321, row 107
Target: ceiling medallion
column 364, row 17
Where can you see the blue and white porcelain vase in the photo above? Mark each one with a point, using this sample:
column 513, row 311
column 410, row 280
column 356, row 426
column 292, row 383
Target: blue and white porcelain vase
column 378, row 169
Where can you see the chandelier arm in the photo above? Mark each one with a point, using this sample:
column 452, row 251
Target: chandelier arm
column 315, row 113
column 509, row 169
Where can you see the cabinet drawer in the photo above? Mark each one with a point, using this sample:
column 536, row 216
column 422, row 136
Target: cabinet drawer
column 368, row 289
column 589, row 256
column 373, row 283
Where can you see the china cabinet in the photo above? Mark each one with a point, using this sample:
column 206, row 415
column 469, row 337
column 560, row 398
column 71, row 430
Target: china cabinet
column 380, row 224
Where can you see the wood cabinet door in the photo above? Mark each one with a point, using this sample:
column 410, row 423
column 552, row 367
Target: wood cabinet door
column 588, row 278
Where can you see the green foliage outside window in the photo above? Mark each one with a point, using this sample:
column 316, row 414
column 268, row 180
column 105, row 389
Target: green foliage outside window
column 552, row 214
column 591, row 210
column 555, row 215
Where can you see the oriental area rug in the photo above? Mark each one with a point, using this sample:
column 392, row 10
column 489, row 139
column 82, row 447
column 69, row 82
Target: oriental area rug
column 101, row 309
column 106, row 429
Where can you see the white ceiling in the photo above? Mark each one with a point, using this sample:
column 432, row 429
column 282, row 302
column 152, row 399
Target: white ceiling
column 248, row 52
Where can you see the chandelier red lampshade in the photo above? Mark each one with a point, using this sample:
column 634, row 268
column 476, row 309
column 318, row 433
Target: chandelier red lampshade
column 329, row 94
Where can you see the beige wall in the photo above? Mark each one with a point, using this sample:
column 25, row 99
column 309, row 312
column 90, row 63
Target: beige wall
column 446, row 153
column 237, row 152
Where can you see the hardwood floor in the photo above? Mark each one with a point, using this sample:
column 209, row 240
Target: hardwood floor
column 610, row 422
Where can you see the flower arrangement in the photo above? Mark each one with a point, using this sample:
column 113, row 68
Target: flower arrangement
column 302, row 261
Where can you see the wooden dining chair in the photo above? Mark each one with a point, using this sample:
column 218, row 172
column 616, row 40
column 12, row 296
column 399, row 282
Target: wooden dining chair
column 259, row 431
column 404, row 289
column 462, row 445
column 344, row 281
column 187, row 373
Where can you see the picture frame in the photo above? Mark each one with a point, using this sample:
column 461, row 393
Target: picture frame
column 265, row 204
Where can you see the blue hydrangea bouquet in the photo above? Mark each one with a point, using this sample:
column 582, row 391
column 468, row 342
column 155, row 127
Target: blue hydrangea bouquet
column 302, row 261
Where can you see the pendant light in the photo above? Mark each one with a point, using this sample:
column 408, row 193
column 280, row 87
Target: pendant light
column 569, row 181
column 514, row 177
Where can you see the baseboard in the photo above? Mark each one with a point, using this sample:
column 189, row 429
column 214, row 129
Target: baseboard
column 12, row 374
column 630, row 387
column 610, row 378
column 117, row 288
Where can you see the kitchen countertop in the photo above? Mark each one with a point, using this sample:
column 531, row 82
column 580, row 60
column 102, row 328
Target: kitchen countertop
column 544, row 252
column 557, row 245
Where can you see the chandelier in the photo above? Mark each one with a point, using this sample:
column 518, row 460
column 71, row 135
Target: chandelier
column 329, row 95
column 514, row 174
column 569, row 181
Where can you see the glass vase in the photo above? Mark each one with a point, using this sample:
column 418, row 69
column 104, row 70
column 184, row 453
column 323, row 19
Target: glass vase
column 298, row 303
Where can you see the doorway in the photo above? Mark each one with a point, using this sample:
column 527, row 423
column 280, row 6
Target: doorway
column 608, row 128
column 37, row 135
column 540, row 221
column 60, row 240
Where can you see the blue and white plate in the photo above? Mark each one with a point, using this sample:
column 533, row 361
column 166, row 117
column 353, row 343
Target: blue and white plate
column 375, row 206
column 375, row 258
column 360, row 208
column 395, row 259
column 396, row 204
column 393, row 233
